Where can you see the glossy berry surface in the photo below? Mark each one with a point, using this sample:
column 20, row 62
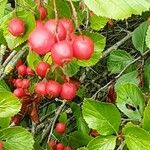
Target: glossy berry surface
column 16, row 27
column 40, row 88
column 56, row 29
column 22, row 70
column 40, row 40
column 42, row 68
column 19, row 92
column 83, row 47
column 53, row 88
column 60, row 128
column 62, row 52
column 68, row 91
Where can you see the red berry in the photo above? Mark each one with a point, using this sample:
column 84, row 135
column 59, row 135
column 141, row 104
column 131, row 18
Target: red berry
column 60, row 128
column 83, row 47
column 19, row 63
column 40, row 88
column 30, row 71
column 68, row 91
column 18, row 83
column 62, row 52
column 53, row 88
column 68, row 25
column 39, row 23
column 68, row 148
column 22, row 70
column 60, row 146
column 43, row 12
column 25, row 83
column 1, row 145
column 19, row 92
column 55, row 27
column 40, row 40
column 52, row 144
column 16, row 27
column 42, row 68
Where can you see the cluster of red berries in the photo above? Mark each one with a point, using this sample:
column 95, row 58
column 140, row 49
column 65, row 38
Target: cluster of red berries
column 58, row 146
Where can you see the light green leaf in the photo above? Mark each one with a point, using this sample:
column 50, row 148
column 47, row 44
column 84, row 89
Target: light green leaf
column 33, row 59
column 136, row 138
column 82, row 148
column 98, row 22
column 99, row 44
column 4, row 85
column 131, row 77
column 117, row 9
column 16, row 138
column 130, row 101
column 102, row 143
column 146, row 118
column 71, row 68
column 9, row 104
column 4, row 122
column 139, row 35
column 97, row 115
column 13, row 41
column 117, row 60
column 47, row 58
column 2, row 7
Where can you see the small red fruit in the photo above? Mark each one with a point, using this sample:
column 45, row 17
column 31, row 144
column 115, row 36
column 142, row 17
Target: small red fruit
column 68, row 148
column 1, row 145
column 83, row 47
column 19, row 63
column 40, row 40
column 42, row 68
column 39, row 23
column 60, row 146
column 30, row 71
column 68, row 91
column 25, row 83
column 43, row 12
column 16, row 27
column 60, row 128
column 40, row 88
column 22, row 70
column 62, row 52
column 52, row 144
column 53, row 88
column 18, row 83
column 68, row 25
column 56, row 28
column 19, row 92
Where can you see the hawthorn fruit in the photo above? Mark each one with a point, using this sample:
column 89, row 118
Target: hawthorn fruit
column 59, row 146
column 60, row 128
column 43, row 12
column 40, row 88
column 19, row 92
column 52, row 144
column 22, row 70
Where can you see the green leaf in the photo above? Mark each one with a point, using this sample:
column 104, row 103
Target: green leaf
column 33, row 59
column 4, row 122
column 4, row 85
column 99, row 44
column 139, row 35
column 117, row 60
column 104, row 117
column 78, row 139
column 147, row 77
column 146, row 118
column 130, row 101
column 117, row 9
column 82, row 148
column 16, row 138
column 63, row 117
column 9, row 104
column 136, row 138
column 71, row 68
column 47, row 58
column 102, row 143
column 27, row 4
column 2, row 7
column 13, row 41
column 131, row 77
column 98, row 22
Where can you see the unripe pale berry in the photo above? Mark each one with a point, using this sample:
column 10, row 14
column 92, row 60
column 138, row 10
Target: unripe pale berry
column 42, row 68
column 16, row 27
column 68, row 91
column 83, row 47
column 53, row 88
column 62, row 52
column 60, row 128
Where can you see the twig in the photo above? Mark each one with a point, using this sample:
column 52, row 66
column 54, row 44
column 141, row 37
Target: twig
column 2, row 53
column 119, row 75
column 55, row 10
column 116, row 45
column 75, row 16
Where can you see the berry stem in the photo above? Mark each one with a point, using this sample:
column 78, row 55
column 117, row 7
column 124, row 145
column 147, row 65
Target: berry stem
column 75, row 16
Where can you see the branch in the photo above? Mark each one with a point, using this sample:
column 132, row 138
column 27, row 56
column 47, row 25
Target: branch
column 116, row 45
column 120, row 74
